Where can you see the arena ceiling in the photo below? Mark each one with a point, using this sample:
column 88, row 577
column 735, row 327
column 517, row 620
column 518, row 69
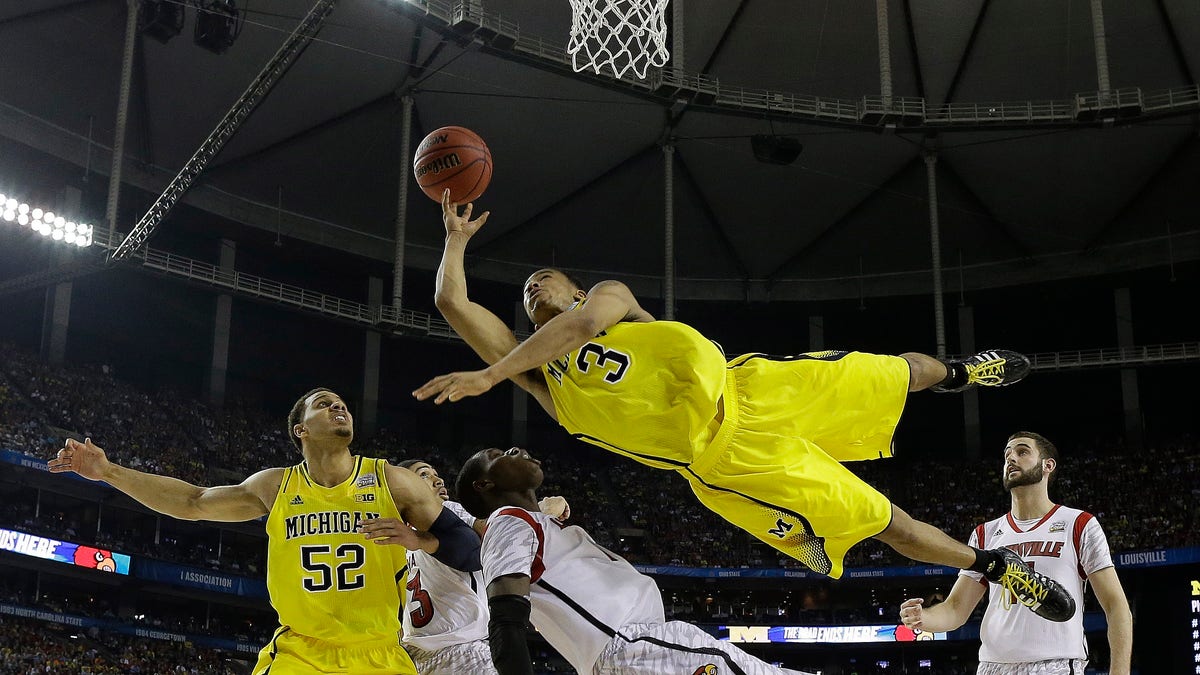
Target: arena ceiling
column 579, row 162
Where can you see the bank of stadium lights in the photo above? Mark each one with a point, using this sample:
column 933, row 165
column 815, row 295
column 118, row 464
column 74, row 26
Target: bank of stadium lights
column 45, row 223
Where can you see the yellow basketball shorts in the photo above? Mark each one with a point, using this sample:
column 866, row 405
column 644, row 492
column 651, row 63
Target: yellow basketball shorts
column 774, row 468
column 289, row 653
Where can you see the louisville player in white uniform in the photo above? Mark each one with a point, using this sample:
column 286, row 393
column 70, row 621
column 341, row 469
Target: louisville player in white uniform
column 591, row 605
column 445, row 614
column 1064, row 543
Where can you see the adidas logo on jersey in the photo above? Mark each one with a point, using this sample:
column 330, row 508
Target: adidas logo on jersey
column 296, row 501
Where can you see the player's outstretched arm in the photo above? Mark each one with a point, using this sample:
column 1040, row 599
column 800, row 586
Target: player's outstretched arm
column 508, row 609
column 948, row 615
column 171, row 496
column 1120, row 621
column 609, row 303
column 482, row 330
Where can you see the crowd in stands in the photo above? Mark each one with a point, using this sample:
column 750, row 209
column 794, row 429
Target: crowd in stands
column 30, row 647
column 649, row 516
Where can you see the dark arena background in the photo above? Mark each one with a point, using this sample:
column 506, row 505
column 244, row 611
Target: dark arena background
column 902, row 175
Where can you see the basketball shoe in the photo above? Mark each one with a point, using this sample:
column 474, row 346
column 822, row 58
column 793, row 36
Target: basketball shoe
column 1045, row 596
column 991, row 368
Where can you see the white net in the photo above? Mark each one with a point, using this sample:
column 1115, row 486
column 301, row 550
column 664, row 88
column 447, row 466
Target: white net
column 620, row 35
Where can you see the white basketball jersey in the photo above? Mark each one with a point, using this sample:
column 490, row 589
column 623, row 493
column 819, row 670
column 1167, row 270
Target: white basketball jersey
column 581, row 593
column 443, row 606
column 1066, row 545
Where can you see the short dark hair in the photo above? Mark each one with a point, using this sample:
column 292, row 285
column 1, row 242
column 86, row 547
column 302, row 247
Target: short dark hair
column 410, row 463
column 464, row 486
column 1046, row 449
column 297, row 414
column 571, row 278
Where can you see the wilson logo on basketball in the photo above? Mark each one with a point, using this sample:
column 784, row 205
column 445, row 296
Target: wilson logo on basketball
column 440, row 164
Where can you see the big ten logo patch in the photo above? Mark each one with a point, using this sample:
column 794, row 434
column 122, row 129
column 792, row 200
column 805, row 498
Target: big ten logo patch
column 368, row 497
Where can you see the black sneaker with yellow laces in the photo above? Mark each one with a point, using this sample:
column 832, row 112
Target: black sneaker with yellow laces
column 990, row 368
column 1021, row 585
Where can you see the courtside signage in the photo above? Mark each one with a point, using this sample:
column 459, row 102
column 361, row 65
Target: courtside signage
column 63, row 551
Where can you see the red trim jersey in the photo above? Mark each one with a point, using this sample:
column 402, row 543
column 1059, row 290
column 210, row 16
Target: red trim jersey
column 581, row 593
column 443, row 606
column 1066, row 545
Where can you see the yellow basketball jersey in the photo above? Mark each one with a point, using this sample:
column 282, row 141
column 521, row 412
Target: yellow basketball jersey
column 327, row 581
column 644, row 390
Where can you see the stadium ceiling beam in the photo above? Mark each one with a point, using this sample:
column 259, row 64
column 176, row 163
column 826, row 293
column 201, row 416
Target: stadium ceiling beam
column 323, row 125
column 917, row 160
column 1178, row 153
column 966, row 55
column 711, row 216
column 912, row 48
column 142, row 90
column 616, row 168
column 1173, row 37
column 49, row 11
column 720, row 46
column 1002, row 227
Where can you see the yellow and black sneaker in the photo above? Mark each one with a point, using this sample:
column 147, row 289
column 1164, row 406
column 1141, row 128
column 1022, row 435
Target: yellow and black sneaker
column 991, row 368
column 1045, row 596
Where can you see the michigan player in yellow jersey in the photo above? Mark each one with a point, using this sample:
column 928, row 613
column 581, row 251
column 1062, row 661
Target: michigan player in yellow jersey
column 334, row 590
column 760, row 439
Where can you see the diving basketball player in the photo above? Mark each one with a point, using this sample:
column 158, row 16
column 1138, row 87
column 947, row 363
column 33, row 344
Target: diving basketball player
column 760, row 439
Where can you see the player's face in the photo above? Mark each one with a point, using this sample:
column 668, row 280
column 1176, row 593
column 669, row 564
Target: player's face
column 1022, row 464
column 432, row 479
column 513, row 469
column 548, row 293
column 325, row 416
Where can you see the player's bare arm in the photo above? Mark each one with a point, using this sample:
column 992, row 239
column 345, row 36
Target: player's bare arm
column 1112, row 599
column 482, row 330
column 250, row 499
column 453, row 543
column 948, row 615
column 609, row 303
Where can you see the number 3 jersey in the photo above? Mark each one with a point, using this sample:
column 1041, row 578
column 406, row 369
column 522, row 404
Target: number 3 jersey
column 645, row 390
column 443, row 606
column 1067, row 545
column 325, row 579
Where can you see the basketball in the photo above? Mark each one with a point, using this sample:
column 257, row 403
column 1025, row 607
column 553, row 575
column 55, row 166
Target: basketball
column 455, row 158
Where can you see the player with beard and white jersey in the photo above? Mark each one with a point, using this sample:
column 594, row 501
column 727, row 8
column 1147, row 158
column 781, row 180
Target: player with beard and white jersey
column 445, row 615
column 591, row 605
column 1061, row 542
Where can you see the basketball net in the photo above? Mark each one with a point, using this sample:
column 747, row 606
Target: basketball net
column 621, row 35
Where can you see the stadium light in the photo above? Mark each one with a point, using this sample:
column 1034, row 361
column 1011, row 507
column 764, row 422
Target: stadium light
column 45, row 223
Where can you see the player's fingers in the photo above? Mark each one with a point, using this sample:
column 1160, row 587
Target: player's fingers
column 483, row 218
column 467, row 212
column 446, row 201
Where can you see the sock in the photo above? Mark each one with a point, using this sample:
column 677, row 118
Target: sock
column 988, row 563
column 956, row 375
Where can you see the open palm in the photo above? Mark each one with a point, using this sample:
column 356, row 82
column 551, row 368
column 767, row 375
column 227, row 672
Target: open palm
column 460, row 223
column 86, row 459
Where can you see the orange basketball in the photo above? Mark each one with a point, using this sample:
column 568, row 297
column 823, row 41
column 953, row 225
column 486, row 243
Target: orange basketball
column 455, row 158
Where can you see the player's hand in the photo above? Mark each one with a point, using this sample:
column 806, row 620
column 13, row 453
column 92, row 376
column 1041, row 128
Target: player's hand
column 555, row 507
column 460, row 223
column 86, row 459
column 910, row 613
column 455, row 386
column 390, row 531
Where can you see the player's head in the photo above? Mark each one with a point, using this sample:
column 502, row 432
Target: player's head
column 319, row 414
column 492, row 478
column 1028, row 459
column 427, row 473
column 549, row 292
